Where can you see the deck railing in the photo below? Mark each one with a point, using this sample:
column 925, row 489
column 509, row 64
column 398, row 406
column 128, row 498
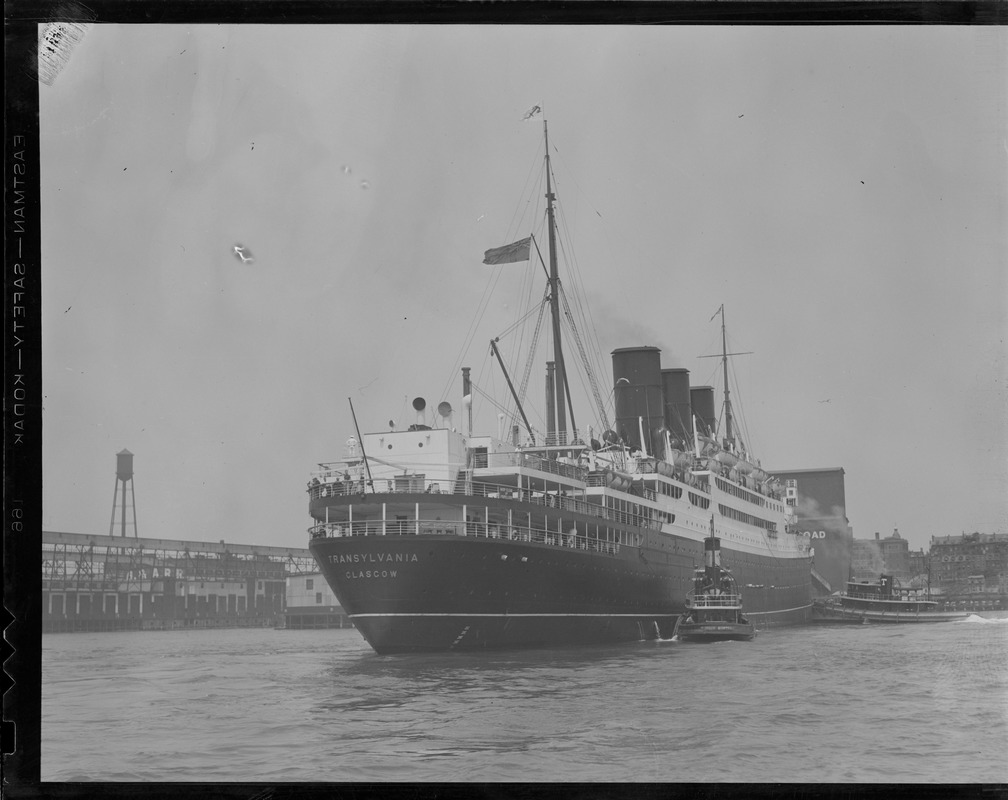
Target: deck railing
column 476, row 530
column 476, row 488
column 531, row 461
column 716, row 601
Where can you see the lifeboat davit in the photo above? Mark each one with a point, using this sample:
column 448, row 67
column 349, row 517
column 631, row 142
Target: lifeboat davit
column 681, row 459
column 708, row 446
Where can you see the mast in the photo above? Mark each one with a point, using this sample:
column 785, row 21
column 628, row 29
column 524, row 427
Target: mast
column 560, row 377
column 729, row 432
column 727, row 401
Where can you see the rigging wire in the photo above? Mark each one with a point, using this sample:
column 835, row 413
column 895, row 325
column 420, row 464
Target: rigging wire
column 576, row 285
column 533, row 346
column 593, row 384
column 518, row 322
column 492, row 281
column 630, row 245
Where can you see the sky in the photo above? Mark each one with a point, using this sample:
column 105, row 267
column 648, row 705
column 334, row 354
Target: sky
column 841, row 190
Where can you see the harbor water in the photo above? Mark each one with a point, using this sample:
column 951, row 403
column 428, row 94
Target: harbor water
column 866, row 703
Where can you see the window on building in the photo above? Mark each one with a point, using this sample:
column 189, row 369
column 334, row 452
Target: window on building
column 309, row 584
column 318, row 598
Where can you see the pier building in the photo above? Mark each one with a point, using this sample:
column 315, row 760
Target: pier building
column 100, row 583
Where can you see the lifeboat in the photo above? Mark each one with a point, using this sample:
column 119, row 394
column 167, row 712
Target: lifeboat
column 726, row 458
column 617, row 480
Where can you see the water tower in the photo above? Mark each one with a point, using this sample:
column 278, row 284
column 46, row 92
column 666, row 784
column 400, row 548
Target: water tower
column 124, row 475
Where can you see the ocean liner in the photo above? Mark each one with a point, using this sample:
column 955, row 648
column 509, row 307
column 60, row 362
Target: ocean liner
column 440, row 539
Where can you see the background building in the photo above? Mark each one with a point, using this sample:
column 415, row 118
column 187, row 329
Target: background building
column 957, row 559
column 895, row 554
column 919, row 567
column 872, row 557
column 822, row 516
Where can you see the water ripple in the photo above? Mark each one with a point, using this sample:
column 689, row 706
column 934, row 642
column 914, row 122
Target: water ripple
column 860, row 704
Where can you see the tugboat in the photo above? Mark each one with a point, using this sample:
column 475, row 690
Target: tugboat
column 714, row 608
column 881, row 601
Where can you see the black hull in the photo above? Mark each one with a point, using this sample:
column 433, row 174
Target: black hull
column 466, row 632
column 450, row 593
column 833, row 615
column 715, row 632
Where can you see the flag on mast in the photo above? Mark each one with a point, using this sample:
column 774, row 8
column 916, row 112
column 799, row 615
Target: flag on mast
column 509, row 253
column 532, row 112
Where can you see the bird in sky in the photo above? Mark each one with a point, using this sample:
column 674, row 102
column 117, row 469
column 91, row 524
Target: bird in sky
column 244, row 254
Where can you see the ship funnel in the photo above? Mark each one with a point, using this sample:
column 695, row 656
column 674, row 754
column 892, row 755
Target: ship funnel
column 712, row 551
column 639, row 397
column 676, row 388
column 702, row 402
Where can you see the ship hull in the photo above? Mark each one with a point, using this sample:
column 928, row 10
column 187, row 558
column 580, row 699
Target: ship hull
column 715, row 632
column 827, row 613
column 407, row 593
